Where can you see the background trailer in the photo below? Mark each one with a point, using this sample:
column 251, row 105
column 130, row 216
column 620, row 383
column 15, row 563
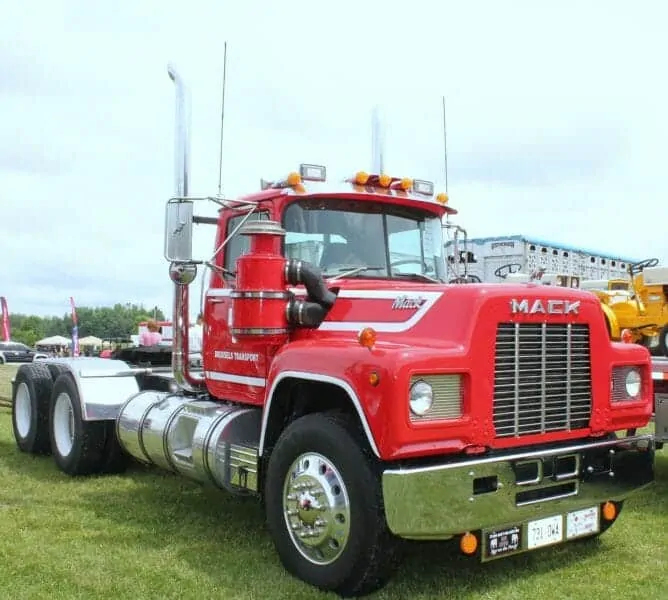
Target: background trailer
column 493, row 258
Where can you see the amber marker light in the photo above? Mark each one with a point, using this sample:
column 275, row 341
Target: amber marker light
column 468, row 544
column 384, row 180
column 294, row 179
column 374, row 379
column 406, row 184
column 367, row 337
column 609, row 511
column 442, row 198
column 361, row 178
column 627, row 336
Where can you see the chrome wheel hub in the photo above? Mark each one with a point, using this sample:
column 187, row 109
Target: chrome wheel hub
column 63, row 424
column 316, row 508
column 22, row 410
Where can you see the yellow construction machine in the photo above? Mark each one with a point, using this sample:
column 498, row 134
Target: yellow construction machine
column 636, row 310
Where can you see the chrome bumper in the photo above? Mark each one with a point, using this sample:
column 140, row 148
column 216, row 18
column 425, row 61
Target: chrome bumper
column 438, row 502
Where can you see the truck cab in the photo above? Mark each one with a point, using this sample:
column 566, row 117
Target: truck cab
column 354, row 391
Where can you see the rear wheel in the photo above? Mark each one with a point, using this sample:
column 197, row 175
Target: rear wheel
column 30, row 408
column 78, row 446
column 663, row 342
column 324, row 507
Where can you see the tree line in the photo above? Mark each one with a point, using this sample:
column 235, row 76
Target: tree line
column 107, row 322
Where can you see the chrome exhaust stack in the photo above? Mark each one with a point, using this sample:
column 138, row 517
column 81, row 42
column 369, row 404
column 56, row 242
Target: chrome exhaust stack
column 178, row 241
column 377, row 143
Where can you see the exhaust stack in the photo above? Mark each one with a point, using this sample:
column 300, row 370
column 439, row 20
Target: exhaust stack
column 182, row 273
column 377, row 143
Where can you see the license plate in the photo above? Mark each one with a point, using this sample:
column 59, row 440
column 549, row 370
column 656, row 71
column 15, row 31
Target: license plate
column 582, row 522
column 503, row 541
column 544, row 532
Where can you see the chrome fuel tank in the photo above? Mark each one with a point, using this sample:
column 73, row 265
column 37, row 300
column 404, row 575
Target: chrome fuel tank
column 209, row 442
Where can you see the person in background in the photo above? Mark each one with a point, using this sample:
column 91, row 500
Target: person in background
column 195, row 336
column 151, row 336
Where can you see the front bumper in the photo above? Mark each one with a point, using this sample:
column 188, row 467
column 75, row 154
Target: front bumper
column 441, row 501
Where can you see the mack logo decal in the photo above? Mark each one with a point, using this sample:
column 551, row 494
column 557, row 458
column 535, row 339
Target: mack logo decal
column 544, row 307
column 406, row 302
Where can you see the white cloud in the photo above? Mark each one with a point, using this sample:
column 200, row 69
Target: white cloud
column 556, row 123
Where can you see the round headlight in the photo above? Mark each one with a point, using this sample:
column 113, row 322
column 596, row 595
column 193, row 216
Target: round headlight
column 421, row 398
column 633, row 383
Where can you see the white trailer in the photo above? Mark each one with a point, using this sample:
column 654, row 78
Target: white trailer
column 492, row 259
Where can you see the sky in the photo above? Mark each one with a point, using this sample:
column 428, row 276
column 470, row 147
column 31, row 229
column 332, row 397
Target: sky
column 556, row 124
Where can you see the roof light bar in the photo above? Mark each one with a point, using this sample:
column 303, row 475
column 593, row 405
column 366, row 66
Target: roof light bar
column 312, row 172
column 426, row 188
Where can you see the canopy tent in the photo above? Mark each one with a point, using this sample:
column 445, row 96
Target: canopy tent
column 90, row 340
column 55, row 340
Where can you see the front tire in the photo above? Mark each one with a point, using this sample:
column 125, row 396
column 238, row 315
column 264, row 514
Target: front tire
column 324, row 507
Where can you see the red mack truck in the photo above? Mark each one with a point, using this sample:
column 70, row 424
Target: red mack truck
column 363, row 399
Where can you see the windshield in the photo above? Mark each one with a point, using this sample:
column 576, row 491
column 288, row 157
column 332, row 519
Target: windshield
column 370, row 239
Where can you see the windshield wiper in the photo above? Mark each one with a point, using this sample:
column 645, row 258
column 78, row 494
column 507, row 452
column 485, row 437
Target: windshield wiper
column 417, row 276
column 348, row 271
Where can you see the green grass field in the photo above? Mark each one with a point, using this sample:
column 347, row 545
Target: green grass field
column 147, row 534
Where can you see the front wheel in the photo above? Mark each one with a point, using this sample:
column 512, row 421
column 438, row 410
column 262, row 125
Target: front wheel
column 324, row 507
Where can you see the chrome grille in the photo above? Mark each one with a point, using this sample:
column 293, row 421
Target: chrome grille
column 542, row 378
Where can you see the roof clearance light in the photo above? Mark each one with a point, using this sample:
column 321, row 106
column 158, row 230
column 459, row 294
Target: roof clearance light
column 423, row 187
column 313, row 172
column 294, row 179
column 361, row 178
column 406, row 184
column 384, row 180
column 442, row 198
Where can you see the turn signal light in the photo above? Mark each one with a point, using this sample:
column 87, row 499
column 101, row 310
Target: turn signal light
column 367, row 337
column 468, row 544
column 627, row 336
column 609, row 511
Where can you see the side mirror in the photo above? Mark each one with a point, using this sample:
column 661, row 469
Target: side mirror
column 179, row 231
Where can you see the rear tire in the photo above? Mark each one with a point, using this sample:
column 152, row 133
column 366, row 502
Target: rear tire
column 663, row 342
column 31, row 395
column 77, row 445
column 343, row 545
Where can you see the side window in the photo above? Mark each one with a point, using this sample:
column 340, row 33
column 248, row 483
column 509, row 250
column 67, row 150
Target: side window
column 239, row 244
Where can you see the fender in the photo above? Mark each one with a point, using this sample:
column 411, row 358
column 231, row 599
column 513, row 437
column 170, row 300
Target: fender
column 610, row 315
column 103, row 384
column 312, row 376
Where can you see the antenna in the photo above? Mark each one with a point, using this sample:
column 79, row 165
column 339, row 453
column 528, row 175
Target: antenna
column 445, row 148
column 222, row 123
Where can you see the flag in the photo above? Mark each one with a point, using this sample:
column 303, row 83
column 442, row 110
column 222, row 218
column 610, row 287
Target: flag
column 75, row 329
column 5, row 320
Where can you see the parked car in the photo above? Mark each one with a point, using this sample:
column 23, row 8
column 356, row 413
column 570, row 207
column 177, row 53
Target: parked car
column 13, row 352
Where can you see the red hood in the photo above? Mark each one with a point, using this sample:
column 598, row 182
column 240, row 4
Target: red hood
column 405, row 312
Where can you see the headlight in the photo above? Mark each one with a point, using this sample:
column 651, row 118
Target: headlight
column 421, row 397
column 626, row 384
column 633, row 382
